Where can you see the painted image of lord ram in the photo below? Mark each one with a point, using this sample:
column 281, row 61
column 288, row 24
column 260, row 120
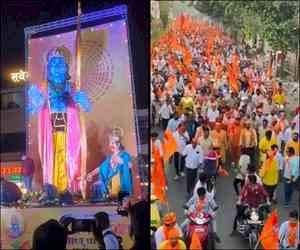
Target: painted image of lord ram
column 62, row 143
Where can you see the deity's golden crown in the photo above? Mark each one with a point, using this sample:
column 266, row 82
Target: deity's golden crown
column 62, row 52
column 116, row 134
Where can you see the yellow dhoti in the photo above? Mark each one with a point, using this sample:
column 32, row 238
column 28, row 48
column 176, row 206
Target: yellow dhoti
column 115, row 185
column 60, row 178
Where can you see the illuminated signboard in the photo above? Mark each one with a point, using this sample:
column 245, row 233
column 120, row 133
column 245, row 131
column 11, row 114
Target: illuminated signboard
column 19, row 76
column 11, row 170
column 16, row 178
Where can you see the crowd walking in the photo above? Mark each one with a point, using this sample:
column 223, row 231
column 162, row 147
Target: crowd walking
column 219, row 111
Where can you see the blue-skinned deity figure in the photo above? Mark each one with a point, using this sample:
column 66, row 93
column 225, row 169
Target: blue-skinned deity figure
column 57, row 104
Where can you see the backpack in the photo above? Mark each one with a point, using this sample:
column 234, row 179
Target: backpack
column 119, row 238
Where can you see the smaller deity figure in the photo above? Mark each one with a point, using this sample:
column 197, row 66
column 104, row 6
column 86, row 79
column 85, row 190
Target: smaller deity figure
column 114, row 173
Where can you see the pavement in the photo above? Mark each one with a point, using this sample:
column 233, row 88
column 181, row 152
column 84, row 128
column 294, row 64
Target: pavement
column 225, row 198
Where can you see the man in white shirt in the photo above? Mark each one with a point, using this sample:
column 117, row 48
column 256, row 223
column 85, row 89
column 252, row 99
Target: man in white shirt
column 252, row 171
column 174, row 122
column 194, row 157
column 182, row 137
column 212, row 113
column 257, row 97
column 297, row 120
column 280, row 160
column 241, row 170
column 289, row 232
column 287, row 136
column 165, row 114
column 156, row 141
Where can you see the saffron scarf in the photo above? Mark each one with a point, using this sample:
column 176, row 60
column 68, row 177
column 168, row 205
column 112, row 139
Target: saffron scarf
column 292, row 234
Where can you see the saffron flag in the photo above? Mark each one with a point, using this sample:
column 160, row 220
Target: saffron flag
column 235, row 65
column 169, row 145
column 269, row 236
column 232, row 79
column 223, row 172
column 187, row 57
column 158, row 178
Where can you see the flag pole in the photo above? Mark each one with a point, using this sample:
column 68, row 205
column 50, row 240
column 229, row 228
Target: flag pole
column 78, row 52
column 83, row 143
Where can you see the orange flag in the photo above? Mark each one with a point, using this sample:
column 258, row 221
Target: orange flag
column 269, row 236
column 195, row 243
column 269, row 71
column 235, row 65
column 223, row 172
column 210, row 43
column 158, row 177
column 169, row 145
column 232, row 79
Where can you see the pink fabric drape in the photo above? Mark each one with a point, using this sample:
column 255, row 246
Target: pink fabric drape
column 45, row 140
column 73, row 148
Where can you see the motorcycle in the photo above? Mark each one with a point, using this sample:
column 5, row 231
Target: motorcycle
column 252, row 223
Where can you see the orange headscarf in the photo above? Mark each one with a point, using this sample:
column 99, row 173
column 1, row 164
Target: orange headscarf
column 169, row 218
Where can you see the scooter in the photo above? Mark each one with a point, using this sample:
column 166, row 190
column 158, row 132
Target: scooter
column 200, row 227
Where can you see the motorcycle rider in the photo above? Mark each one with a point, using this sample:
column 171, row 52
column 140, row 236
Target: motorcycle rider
column 252, row 171
column 253, row 195
column 162, row 233
column 203, row 182
column 205, row 204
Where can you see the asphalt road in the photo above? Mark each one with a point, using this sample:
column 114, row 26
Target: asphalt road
column 225, row 198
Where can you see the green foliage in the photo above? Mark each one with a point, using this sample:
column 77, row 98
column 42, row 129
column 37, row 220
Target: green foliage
column 164, row 12
column 274, row 21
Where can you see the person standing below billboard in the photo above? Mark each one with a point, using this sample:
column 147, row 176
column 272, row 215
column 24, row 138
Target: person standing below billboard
column 27, row 172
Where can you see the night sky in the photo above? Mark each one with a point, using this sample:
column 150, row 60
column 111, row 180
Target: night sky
column 18, row 14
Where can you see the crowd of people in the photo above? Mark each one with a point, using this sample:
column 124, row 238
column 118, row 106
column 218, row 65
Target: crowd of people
column 220, row 110
column 54, row 234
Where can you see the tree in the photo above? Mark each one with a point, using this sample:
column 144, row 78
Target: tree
column 164, row 12
column 276, row 22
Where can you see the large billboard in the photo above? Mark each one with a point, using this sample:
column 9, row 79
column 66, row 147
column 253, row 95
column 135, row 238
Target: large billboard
column 106, row 77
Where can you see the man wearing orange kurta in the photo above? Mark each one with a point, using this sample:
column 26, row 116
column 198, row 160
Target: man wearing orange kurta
column 233, row 134
column 219, row 138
